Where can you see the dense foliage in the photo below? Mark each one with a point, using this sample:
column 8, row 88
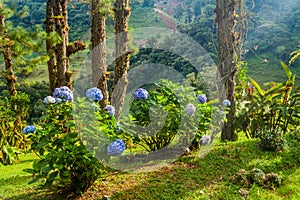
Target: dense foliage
column 76, row 140
column 270, row 112
column 13, row 116
column 63, row 157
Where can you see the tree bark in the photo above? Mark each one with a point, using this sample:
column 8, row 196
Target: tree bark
column 49, row 23
column 122, row 12
column 98, row 51
column 6, row 50
column 230, row 34
column 60, row 13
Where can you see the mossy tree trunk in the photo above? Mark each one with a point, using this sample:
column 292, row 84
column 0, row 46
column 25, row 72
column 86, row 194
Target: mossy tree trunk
column 6, row 51
column 49, row 22
column 122, row 12
column 98, row 49
column 58, row 64
column 230, row 34
column 61, row 13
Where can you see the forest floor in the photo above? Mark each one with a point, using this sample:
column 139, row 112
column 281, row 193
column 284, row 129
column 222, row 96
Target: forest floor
column 190, row 177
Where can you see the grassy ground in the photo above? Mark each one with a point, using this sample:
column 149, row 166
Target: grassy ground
column 190, row 177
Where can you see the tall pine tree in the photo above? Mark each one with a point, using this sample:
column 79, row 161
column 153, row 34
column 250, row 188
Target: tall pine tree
column 6, row 51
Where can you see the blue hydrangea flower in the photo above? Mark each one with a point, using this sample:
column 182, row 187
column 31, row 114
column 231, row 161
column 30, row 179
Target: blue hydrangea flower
column 94, row 94
column 140, row 94
column 48, row 100
column 29, row 129
column 58, row 100
column 205, row 140
column 63, row 93
column 110, row 109
column 190, row 109
column 202, row 98
column 116, row 148
column 118, row 127
column 226, row 103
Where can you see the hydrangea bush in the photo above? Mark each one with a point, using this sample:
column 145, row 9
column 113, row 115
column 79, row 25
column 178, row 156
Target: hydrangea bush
column 141, row 113
column 157, row 119
column 64, row 158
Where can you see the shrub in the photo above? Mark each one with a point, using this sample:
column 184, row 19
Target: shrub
column 157, row 108
column 63, row 157
column 13, row 113
column 36, row 91
column 163, row 113
column 270, row 140
column 271, row 111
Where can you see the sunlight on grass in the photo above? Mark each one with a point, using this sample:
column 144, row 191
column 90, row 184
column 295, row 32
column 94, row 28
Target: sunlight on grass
column 13, row 180
column 189, row 178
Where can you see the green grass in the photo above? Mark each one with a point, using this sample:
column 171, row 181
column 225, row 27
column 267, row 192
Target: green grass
column 189, row 178
column 208, row 178
column 14, row 181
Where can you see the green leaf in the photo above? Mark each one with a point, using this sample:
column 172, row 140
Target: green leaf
column 29, row 170
column 257, row 87
column 275, row 88
column 51, row 178
column 295, row 54
column 286, row 69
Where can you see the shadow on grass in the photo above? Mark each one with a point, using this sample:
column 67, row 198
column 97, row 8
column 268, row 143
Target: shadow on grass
column 190, row 174
column 187, row 177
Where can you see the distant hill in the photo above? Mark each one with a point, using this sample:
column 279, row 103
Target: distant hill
column 273, row 26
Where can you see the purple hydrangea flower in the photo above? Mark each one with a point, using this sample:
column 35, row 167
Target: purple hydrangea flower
column 94, row 94
column 110, row 109
column 48, row 100
column 140, row 94
column 205, row 140
column 116, row 148
column 29, row 129
column 202, row 98
column 63, row 93
column 226, row 103
column 190, row 109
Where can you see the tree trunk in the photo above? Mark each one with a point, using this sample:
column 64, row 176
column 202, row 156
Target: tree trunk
column 122, row 12
column 60, row 13
column 49, row 23
column 98, row 51
column 10, row 77
column 230, row 34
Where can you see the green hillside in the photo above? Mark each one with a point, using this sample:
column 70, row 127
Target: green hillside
column 273, row 27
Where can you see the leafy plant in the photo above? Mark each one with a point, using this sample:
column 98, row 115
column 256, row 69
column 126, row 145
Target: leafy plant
column 166, row 116
column 270, row 140
column 64, row 158
column 13, row 113
column 270, row 111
